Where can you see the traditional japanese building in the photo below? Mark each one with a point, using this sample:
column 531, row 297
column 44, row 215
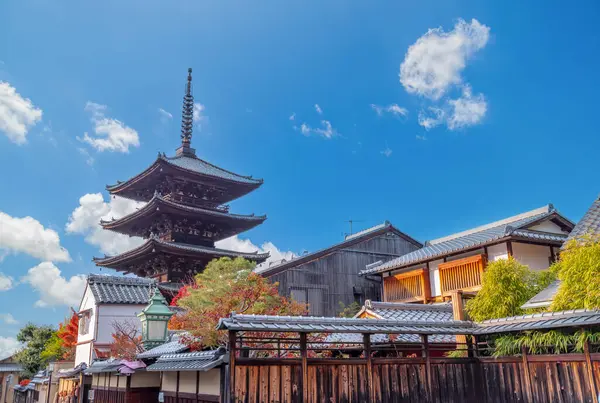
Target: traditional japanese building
column 185, row 213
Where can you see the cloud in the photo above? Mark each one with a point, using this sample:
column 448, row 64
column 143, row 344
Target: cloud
column 86, row 154
column 27, row 235
column 468, row 110
column 326, row 130
column 17, row 114
column 394, row 109
column 8, row 346
column 53, row 288
column 293, row 116
column 434, row 117
column 85, row 220
column 6, row 282
column 245, row 245
column 436, row 60
column 164, row 115
column 387, row 152
column 318, row 109
column 198, row 112
column 419, row 137
column 8, row 319
column 109, row 134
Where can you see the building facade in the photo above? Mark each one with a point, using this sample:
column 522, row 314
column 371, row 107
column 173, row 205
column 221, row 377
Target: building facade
column 9, row 377
column 328, row 277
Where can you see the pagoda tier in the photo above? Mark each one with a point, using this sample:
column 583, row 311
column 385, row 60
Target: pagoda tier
column 186, row 179
column 171, row 221
column 170, row 261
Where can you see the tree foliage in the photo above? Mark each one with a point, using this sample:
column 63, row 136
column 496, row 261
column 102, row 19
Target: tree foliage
column 349, row 311
column 61, row 346
column 35, row 338
column 127, row 341
column 506, row 285
column 579, row 271
column 227, row 286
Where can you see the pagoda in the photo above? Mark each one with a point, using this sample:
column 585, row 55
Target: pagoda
column 185, row 212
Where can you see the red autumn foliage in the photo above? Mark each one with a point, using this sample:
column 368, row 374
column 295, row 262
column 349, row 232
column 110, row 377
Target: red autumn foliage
column 67, row 333
column 127, row 341
column 24, row 382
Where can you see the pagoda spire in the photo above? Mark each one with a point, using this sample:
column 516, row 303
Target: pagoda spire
column 187, row 119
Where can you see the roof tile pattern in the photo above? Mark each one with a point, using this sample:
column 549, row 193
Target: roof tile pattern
column 171, row 347
column 202, row 167
column 196, row 361
column 120, row 290
column 410, row 312
column 589, row 223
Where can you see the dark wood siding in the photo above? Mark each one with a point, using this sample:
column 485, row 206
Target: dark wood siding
column 331, row 279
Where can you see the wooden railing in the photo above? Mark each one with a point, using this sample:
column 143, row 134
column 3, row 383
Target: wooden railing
column 407, row 287
column 462, row 274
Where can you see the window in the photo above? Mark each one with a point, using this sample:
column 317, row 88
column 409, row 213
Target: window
column 85, row 318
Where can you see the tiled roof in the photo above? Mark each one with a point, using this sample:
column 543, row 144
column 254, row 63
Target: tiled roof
column 589, row 224
column 197, row 165
column 544, row 298
column 10, row 367
column 408, row 312
column 480, row 236
column 265, row 323
column 540, row 321
column 348, row 241
column 385, row 338
column 196, row 361
column 120, row 290
column 173, row 346
column 120, row 366
column 71, row 372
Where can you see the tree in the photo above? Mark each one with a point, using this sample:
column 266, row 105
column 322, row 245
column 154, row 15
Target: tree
column 349, row 311
column 127, row 341
column 579, row 271
column 63, row 342
column 227, row 286
column 506, row 285
column 35, row 338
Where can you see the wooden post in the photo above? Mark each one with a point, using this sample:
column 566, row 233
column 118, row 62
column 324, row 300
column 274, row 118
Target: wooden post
column 128, row 389
column 198, row 384
column 177, row 388
column 590, row 371
column 509, row 249
column 528, row 386
column 427, row 355
column 232, row 358
column 426, row 284
column 304, row 356
column 458, row 313
column 370, row 386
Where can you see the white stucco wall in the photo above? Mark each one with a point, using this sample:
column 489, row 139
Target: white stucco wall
column 496, row 252
column 169, row 382
column 434, row 278
column 83, row 353
column 548, row 226
column 210, row 382
column 537, row 257
column 187, row 382
column 145, row 380
column 108, row 314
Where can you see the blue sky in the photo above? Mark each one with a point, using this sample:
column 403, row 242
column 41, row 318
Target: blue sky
column 493, row 115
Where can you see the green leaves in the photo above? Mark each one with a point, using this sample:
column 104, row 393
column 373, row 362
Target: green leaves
column 35, row 338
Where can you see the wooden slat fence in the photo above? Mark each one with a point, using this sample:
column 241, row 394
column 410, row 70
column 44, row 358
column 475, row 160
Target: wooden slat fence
column 462, row 274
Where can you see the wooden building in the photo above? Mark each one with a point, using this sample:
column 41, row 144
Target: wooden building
column 9, row 377
column 123, row 381
column 456, row 262
column 329, row 276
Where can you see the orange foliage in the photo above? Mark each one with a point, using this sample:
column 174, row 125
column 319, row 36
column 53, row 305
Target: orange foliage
column 67, row 332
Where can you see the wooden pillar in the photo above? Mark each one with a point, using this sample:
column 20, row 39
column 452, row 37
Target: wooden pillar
column 458, row 313
column 552, row 255
column 304, row 356
column 370, row 386
column 427, row 355
column 590, row 371
column 198, row 384
column 177, row 388
column 509, row 249
column 232, row 358
column 426, row 284
column 528, row 386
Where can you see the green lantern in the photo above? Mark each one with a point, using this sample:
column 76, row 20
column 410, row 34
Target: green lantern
column 155, row 318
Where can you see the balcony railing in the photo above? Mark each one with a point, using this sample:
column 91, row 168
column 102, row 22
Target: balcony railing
column 462, row 274
column 407, row 287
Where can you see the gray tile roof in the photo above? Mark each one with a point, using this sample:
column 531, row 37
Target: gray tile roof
column 480, row 236
column 197, row 165
column 385, row 339
column 103, row 366
column 10, row 367
column 309, row 324
column 589, row 223
column 196, row 361
column 544, row 298
column 120, row 290
column 540, row 321
column 409, row 312
column 173, row 346
column 71, row 372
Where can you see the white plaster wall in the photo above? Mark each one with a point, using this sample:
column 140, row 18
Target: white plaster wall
column 187, row 382
column 466, row 254
column 88, row 302
column 210, row 382
column 434, row 278
column 114, row 379
column 82, row 353
column 145, row 380
column 169, row 381
column 108, row 314
column 548, row 226
column 534, row 256
column 496, row 252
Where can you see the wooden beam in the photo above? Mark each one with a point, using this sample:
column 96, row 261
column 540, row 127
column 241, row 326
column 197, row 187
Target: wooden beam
column 528, row 387
column 232, row 358
column 427, row 355
column 370, row 386
column 590, row 371
column 304, row 356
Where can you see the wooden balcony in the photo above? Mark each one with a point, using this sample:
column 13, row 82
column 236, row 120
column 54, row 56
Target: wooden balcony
column 462, row 274
column 407, row 287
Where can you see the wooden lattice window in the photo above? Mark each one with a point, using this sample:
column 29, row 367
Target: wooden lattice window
column 462, row 274
column 407, row 287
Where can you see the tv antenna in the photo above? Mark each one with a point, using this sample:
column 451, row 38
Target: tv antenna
column 351, row 222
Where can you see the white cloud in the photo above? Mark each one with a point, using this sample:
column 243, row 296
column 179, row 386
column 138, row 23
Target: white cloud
column 198, row 112
column 326, row 130
column 394, row 109
column 293, row 116
column 17, row 114
column 436, row 60
column 468, row 110
column 434, row 117
column 419, row 137
column 53, row 288
column 109, row 134
column 27, row 235
column 8, row 346
column 245, row 245
column 86, row 154
column 85, row 220
column 318, row 109
column 387, row 152
column 6, row 282
column 164, row 115
column 8, row 319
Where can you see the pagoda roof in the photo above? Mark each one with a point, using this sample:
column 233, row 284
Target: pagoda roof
column 159, row 204
column 175, row 248
column 188, row 164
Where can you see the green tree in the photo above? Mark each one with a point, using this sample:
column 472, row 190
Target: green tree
column 579, row 272
column 348, row 311
column 35, row 339
column 506, row 285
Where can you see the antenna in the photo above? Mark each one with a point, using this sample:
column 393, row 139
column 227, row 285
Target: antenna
column 351, row 222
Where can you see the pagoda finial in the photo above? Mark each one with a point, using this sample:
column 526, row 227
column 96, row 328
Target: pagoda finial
column 187, row 118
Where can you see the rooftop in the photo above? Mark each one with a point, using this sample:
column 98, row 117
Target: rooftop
column 120, row 290
column 196, row 361
column 173, row 346
column 408, row 312
column 589, row 223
